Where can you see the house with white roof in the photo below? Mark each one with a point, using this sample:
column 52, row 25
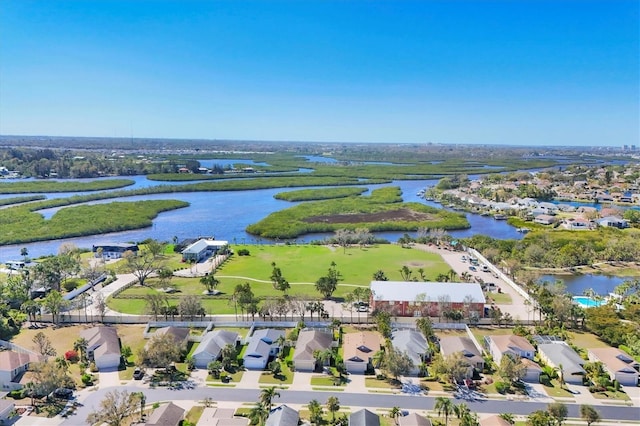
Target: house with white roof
column 415, row 299
column 262, row 345
column 211, row 346
column 412, row 343
column 558, row 355
column 620, row 365
column 613, row 222
column 202, row 249
column 103, row 346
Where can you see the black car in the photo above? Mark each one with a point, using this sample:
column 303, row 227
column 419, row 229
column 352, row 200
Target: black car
column 63, row 393
column 138, row 374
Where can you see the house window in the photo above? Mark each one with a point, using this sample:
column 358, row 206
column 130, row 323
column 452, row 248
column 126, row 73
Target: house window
column 391, row 302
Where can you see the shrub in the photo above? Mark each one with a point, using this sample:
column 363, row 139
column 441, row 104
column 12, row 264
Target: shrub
column 544, row 379
column 243, row 252
column 16, row 394
column 87, row 379
column 93, row 367
column 70, row 285
column 71, row 356
column 502, row 387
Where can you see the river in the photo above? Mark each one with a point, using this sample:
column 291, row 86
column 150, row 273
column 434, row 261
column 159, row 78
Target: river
column 226, row 214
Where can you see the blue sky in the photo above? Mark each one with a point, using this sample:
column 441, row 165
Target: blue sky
column 494, row 72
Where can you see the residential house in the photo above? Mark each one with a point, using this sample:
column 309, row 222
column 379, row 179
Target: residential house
column 560, row 354
column 113, row 250
column 12, row 366
column 359, row 349
column 500, row 345
column 414, row 299
column 364, row 417
column 166, row 415
column 103, row 346
column 221, row 417
column 283, row 415
column 464, row 345
column 179, row 335
column 494, row 420
column 310, row 341
column 613, row 222
column 544, row 219
column 519, row 348
column 414, row 419
column 414, row 344
column 6, row 408
column 620, row 365
column 211, row 346
column 262, row 345
column 577, row 224
column 202, row 249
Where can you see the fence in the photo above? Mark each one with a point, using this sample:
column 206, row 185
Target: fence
column 502, row 275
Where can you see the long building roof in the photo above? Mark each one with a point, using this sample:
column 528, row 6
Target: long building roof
column 410, row 291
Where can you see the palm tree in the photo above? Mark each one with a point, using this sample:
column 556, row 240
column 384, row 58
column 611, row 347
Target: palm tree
column 444, row 406
column 80, row 346
column 267, row 395
column 508, row 417
column 461, row 410
column 259, row 414
column 394, row 413
column 333, row 405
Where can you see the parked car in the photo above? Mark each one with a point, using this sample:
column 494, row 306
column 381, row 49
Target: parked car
column 473, row 268
column 62, row 393
column 138, row 374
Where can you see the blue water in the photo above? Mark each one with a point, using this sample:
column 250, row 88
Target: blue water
column 224, row 162
column 587, row 302
column 577, row 284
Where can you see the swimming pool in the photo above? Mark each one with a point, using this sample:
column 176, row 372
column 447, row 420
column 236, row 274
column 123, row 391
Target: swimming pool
column 587, row 302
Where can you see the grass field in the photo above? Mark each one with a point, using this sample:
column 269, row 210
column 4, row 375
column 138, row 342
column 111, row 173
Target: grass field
column 301, row 266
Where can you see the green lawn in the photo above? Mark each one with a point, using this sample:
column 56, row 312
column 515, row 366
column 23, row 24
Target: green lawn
column 500, row 298
column 372, row 382
column 584, row 339
column 556, row 392
column 193, row 415
column 325, row 380
column 608, row 395
column 356, row 266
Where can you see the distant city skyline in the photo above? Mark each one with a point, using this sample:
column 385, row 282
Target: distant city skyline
column 530, row 72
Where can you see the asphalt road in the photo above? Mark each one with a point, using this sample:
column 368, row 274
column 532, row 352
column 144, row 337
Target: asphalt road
column 92, row 401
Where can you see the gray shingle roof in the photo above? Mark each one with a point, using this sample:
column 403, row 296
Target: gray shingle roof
column 213, row 342
column 560, row 353
column 310, row 341
column 412, row 342
column 283, row 416
column 364, row 417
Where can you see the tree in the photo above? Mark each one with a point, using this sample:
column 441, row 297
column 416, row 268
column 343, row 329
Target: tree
column 540, row 418
column 155, row 302
column 425, row 326
column 210, row 282
column 31, row 308
column 43, row 345
column 315, row 412
column 278, row 280
column 396, row 363
column 48, row 376
column 333, row 405
column 558, row 411
column 190, row 307
column 275, row 368
column 145, row 262
column 54, row 303
column 161, row 351
column 379, row 275
column 143, row 402
column 395, row 413
column 267, row 395
column 228, row 356
column 343, row 237
column 101, row 305
column 589, row 414
column 80, row 346
column 327, row 284
column 165, row 275
column 445, row 407
column 511, row 368
column 114, row 408
column 259, row 414
column 24, row 252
